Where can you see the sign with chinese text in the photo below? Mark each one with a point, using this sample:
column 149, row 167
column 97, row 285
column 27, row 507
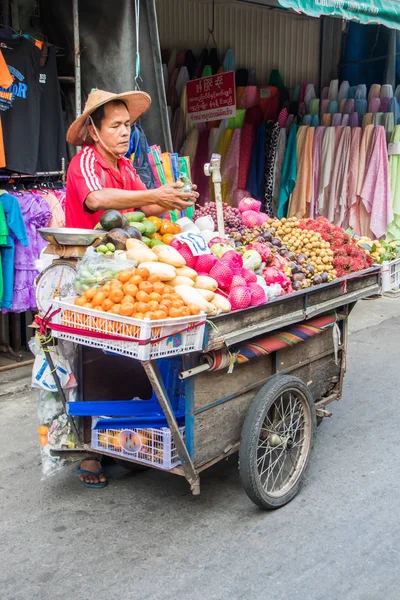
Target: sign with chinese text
column 211, row 98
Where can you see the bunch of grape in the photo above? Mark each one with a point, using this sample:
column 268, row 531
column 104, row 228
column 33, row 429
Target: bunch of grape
column 232, row 219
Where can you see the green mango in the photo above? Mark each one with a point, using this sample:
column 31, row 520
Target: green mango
column 156, row 243
column 146, row 240
column 150, row 228
column 135, row 217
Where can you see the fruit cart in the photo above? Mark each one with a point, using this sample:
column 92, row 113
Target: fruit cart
column 257, row 383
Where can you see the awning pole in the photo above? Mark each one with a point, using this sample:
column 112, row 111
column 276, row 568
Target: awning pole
column 77, row 58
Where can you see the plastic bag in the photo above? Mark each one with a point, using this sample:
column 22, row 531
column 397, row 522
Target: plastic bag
column 96, row 269
column 42, row 376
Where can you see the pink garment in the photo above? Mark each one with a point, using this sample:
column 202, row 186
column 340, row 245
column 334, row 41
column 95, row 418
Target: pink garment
column 357, row 211
column 327, row 162
column 283, row 117
column 374, row 105
column 324, row 107
column 317, row 152
column 337, row 205
column 303, row 192
column 375, row 193
column 58, row 215
column 353, row 172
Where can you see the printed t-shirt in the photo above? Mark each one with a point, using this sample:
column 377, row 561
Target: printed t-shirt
column 89, row 172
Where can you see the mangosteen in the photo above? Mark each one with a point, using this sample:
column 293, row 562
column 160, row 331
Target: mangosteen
column 276, row 242
column 295, row 268
column 291, row 255
column 317, row 280
column 260, row 239
column 267, row 236
column 269, row 244
column 301, row 259
column 296, row 285
column 324, row 277
column 309, row 269
column 272, row 230
column 282, row 251
column 298, row 277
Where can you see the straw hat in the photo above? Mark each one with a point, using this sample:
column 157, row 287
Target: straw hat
column 137, row 103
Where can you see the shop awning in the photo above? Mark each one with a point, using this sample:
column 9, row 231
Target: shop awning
column 381, row 12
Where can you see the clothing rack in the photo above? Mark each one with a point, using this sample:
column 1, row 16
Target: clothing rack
column 10, row 177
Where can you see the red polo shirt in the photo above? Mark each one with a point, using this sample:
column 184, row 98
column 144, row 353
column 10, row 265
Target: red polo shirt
column 89, row 172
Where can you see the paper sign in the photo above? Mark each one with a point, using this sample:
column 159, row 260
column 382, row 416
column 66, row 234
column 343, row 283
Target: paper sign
column 195, row 241
column 211, row 98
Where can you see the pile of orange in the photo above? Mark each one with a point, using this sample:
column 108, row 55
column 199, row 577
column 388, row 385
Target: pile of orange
column 165, row 230
column 135, row 293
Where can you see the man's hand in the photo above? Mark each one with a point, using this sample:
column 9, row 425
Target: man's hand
column 170, row 196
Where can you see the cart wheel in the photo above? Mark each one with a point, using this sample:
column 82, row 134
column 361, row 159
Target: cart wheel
column 130, row 466
column 277, row 437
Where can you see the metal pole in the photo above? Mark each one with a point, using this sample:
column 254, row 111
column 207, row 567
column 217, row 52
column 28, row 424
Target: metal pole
column 77, row 55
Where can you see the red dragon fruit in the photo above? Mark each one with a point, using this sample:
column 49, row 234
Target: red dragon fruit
column 257, row 294
column 250, row 218
column 222, row 274
column 249, row 204
column 249, row 275
column 263, row 250
column 234, row 260
column 205, row 262
column 239, row 297
column 273, row 275
column 238, row 280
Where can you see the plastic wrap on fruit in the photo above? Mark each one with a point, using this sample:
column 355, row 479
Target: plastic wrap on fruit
column 187, row 184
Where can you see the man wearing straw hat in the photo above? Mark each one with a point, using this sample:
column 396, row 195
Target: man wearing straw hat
column 101, row 178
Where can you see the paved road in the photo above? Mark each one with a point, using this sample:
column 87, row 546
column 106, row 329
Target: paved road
column 144, row 537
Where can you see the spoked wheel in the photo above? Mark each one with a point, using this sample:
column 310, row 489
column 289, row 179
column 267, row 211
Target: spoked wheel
column 277, row 437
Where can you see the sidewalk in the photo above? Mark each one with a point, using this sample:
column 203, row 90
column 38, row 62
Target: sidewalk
column 369, row 313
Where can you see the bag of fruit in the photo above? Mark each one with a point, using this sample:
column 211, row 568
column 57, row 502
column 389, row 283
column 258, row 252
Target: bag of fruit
column 96, row 269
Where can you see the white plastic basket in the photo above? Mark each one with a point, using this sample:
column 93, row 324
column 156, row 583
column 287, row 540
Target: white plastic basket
column 148, row 446
column 391, row 275
column 153, row 339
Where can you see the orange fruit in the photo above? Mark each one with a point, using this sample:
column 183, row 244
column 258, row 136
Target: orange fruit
column 153, row 279
column 185, row 311
column 98, row 307
column 135, row 280
column 43, row 430
column 156, row 220
column 107, row 304
column 166, row 227
column 156, row 236
column 167, row 297
column 80, row 301
column 90, row 293
column 142, row 296
column 168, row 289
column 160, row 314
column 177, row 228
column 152, row 306
column 88, row 305
column 116, row 309
column 178, row 303
column 106, row 288
column 166, row 302
column 139, row 315
column 141, row 307
column 174, row 312
column 158, row 287
column 43, row 440
column 142, row 272
column 194, row 310
column 167, row 238
column 128, row 298
column 130, row 289
column 125, row 276
column 156, row 297
column 146, row 286
column 98, row 298
column 116, row 295
column 148, row 315
column 153, row 316
column 127, row 309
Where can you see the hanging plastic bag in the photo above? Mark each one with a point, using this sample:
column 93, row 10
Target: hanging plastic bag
column 42, row 376
column 96, row 269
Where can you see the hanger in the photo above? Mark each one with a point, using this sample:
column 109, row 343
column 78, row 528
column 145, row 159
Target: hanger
column 211, row 30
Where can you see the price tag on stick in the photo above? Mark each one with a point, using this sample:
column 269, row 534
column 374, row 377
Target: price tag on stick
column 195, row 241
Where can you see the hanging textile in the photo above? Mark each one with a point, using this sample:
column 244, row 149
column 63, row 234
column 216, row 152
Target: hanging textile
column 357, row 213
column 278, row 167
column 317, row 152
column 300, row 202
column 393, row 232
column 202, row 181
column 356, row 134
column 289, row 173
column 231, row 169
column 339, row 182
column 16, row 235
column 255, row 180
column 327, row 158
column 270, row 152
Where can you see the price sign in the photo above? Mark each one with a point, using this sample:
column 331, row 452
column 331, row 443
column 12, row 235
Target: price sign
column 195, row 241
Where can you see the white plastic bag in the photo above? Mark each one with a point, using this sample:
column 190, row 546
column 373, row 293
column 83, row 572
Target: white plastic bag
column 42, row 376
column 96, row 269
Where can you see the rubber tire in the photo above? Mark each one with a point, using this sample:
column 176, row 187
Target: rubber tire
column 130, row 466
column 249, row 439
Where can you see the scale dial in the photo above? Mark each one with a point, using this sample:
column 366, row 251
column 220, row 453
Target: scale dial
column 55, row 281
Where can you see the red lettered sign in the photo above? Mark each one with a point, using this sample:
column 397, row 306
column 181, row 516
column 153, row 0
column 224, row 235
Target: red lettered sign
column 211, row 98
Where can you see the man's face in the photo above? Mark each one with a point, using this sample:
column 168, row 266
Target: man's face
column 115, row 128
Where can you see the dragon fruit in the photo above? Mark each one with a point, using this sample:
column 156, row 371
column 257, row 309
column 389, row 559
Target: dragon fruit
column 222, row 274
column 263, row 250
column 219, row 240
column 262, row 218
column 249, row 275
column 238, row 280
column 240, row 297
column 219, row 249
column 252, row 260
column 250, row 218
column 234, row 260
column 273, row 275
column 205, row 262
column 249, row 204
column 258, row 295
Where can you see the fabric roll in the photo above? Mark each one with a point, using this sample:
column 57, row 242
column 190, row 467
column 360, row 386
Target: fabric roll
column 388, row 124
column 207, row 71
column 272, row 108
column 345, row 120
column 337, row 120
column 213, row 140
column 344, row 91
column 283, row 117
column 201, row 159
column 333, row 90
column 172, row 98
column 275, row 79
column 246, row 146
column 361, row 92
column 213, row 60
column 182, row 80
column 326, row 120
column 349, row 106
column 310, row 94
column 374, row 105
column 237, row 121
column 255, row 180
column 303, row 91
column 317, row 151
column 303, row 192
column 200, row 64
column 393, row 232
column 278, row 167
column 358, row 214
column 172, row 61
column 231, row 169
column 325, row 93
column 367, row 120
column 324, row 107
column 174, row 78
column 333, row 107
column 375, row 192
column 342, row 106
column 224, row 143
column 296, row 93
column 302, row 109
column 397, row 93
column 290, row 121
column 315, row 121
column 386, row 91
column 189, row 146
column 374, row 91
column 314, row 106
column 180, row 58
column 229, row 63
column 190, row 62
column 251, row 97
column 354, row 120
column 327, row 158
column 240, row 93
column 242, row 77
column 385, row 104
column 378, row 119
column 289, row 173
column 270, row 153
column 337, row 202
column 395, row 109
column 252, row 77
column 361, row 107
column 178, row 129
column 307, row 120
column 284, row 96
column 356, row 134
column 352, row 92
